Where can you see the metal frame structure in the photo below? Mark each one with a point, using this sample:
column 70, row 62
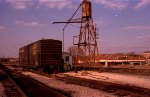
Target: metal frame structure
column 86, row 43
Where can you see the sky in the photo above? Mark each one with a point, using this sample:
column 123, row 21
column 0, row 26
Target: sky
column 123, row 25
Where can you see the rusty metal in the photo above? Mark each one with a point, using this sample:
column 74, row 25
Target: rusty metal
column 86, row 40
column 86, row 9
column 69, row 22
column 42, row 53
column 87, row 43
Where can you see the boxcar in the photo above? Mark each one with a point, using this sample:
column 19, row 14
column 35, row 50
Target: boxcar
column 45, row 54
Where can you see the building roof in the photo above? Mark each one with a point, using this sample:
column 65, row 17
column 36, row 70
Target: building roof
column 120, row 57
column 146, row 52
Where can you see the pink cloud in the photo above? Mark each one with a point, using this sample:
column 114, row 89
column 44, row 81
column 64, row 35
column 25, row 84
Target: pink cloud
column 20, row 4
column 59, row 4
column 147, row 37
column 137, row 27
column 2, row 27
column 113, row 4
column 31, row 24
column 142, row 3
column 144, row 39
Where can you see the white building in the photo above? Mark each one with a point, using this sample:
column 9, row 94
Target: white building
column 147, row 56
column 67, row 61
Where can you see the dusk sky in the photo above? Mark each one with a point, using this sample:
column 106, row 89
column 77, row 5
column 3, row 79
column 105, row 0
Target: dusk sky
column 123, row 25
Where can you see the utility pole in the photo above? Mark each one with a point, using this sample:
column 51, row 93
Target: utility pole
column 148, row 57
column 68, row 22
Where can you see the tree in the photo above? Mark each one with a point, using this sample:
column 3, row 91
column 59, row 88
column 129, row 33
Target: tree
column 132, row 54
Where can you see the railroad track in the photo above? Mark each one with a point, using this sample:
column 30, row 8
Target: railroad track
column 134, row 71
column 30, row 87
column 10, row 88
column 116, row 89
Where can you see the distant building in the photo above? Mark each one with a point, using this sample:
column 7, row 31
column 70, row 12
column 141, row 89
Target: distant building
column 4, row 60
column 11, row 61
column 147, row 56
column 116, row 59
